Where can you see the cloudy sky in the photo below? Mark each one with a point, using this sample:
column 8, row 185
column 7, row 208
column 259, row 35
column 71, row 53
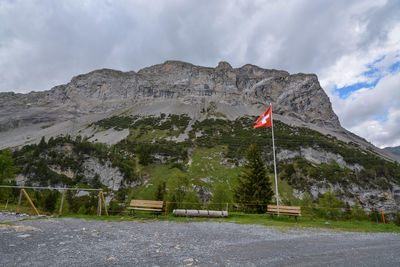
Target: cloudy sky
column 353, row 46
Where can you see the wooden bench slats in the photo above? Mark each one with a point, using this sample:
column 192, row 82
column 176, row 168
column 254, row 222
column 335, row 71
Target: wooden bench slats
column 284, row 210
column 288, row 211
column 147, row 203
column 271, row 207
column 284, row 213
column 133, row 208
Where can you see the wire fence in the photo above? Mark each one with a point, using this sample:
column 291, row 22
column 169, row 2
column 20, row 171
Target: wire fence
column 62, row 201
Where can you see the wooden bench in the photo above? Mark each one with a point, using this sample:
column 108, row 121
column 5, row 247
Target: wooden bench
column 146, row 205
column 284, row 210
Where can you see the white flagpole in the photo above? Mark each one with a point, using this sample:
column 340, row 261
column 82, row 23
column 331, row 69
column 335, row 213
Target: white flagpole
column 273, row 150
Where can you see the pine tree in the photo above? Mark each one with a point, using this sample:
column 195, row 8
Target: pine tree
column 254, row 190
column 160, row 191
column 7, row 168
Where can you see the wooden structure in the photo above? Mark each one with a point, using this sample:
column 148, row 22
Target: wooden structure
column 146, row 205
column 284, row 210
column 29, row 200
column 101, row 199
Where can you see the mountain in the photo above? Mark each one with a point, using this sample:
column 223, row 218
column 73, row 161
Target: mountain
column 186, row 124
column 395, row 150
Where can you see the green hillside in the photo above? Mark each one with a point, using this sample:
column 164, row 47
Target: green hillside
column 199, row 161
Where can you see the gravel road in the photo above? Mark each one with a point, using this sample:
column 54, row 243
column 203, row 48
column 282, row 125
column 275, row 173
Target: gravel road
column 77, row 242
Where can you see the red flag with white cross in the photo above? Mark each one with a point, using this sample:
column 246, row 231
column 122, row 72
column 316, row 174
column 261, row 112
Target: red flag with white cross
column 265, row 119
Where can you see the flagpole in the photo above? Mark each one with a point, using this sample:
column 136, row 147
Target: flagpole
column 273, row 150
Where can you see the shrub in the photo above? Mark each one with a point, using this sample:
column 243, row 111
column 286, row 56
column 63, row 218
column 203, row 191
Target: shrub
column 329, row 206
column 220, row 197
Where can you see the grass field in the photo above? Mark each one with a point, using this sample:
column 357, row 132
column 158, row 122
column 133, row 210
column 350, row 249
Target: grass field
column 282, row 223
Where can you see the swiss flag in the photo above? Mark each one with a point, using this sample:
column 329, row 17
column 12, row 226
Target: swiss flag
column 265, row 119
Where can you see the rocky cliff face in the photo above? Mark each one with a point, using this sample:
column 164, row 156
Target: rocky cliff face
column 296, row 96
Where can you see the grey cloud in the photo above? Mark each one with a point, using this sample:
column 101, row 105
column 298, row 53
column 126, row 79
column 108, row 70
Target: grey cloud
column 44, row 43
column 60, row 39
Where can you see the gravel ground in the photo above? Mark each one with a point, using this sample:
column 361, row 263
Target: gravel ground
column 77, row 242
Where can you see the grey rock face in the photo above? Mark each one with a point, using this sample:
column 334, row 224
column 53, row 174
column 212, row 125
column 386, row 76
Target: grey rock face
column 298, row 96
column 109, row 176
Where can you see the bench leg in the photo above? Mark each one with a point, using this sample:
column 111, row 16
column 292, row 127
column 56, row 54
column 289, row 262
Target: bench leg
column 295, row 218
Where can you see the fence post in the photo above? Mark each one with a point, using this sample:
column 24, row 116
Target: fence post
column 99, row 205
column 30, row 202
column 104, row 202
column 19, row 202
column 383, row 217
column 62, row 203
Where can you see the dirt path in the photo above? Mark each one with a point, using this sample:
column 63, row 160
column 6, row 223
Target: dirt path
column 76, row 242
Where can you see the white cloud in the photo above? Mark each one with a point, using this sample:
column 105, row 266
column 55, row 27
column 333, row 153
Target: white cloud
column 358, row 112
column 382, row 133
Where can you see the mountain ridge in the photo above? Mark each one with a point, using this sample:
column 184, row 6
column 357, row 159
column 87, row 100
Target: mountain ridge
column 171, row 87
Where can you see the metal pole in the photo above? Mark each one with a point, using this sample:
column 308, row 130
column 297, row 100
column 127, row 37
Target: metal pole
column 19, row 201
column 273, row 150
column 99, row 206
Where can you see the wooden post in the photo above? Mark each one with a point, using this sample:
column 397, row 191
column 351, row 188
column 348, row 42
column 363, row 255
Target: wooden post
column 19, row 202
column 166, row 208
column 30, row 201
column 383, row 216
column 104, row 202
column 99, row 205
column 62, row 203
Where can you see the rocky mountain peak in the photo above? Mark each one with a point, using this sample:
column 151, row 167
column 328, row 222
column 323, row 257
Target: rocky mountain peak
column 223, row 65
column 181, row 87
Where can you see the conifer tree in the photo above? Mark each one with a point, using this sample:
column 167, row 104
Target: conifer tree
column 254, row 187
column 7, row 168
column 160, row 191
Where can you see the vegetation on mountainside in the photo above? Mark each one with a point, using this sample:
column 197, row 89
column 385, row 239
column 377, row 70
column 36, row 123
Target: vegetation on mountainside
column 203, row 166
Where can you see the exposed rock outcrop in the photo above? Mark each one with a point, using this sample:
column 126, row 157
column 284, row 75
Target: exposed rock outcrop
column 299, row 96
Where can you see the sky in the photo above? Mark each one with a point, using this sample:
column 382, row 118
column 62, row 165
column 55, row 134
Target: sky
column 353, row 46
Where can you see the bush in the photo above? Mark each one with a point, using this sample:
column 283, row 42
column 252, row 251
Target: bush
column 49, row 201
column 329, row 206
column 307, row 205
column 220, row 197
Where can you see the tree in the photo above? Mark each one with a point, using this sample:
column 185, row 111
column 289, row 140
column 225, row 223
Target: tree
column 144, row 154
column 177, row 186
column 7, row 168
column 358, row 212
column 49, row 200
column 220, row 197
column 254, row 190
column 160, row 191
column 307, row 204
column 329, row 206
